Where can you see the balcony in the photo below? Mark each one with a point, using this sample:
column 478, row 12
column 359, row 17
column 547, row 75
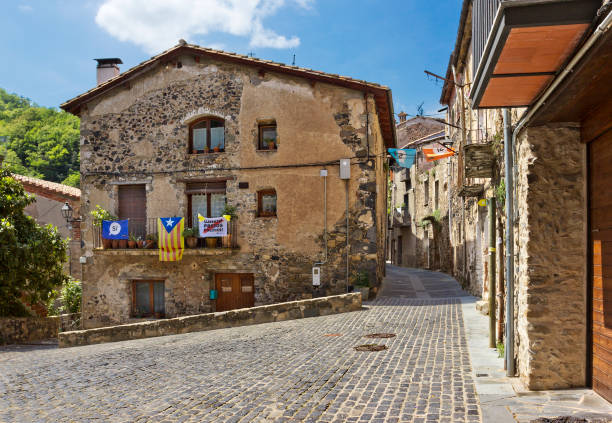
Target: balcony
column 141, row 229
column 401, row 216
column 520, row 45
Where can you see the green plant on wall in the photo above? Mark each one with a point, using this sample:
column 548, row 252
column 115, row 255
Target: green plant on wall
column 99, row 214
column 500, row 193
column 361, row 278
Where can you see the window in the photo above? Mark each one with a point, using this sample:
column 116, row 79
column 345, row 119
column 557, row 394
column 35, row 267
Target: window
column 205, row 198
column 148, row 299
column 133, row 206
column 426, row 193
column 266, row 203
column 207, row 135
column 267, row 137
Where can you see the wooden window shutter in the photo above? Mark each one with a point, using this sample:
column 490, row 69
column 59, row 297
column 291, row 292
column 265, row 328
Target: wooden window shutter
column 132, row 202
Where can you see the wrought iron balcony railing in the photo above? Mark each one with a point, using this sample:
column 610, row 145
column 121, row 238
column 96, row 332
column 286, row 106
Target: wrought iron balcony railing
column 145, row 232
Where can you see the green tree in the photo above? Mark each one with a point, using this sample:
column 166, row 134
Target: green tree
column 31, row 256
column 38, row 141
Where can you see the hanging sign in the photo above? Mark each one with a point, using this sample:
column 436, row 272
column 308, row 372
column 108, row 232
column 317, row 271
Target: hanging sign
column 212, row 226
column 437, row 153
column 403, row 156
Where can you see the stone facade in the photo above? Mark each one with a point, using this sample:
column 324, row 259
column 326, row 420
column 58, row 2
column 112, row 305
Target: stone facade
column 550, row 227
column 550, row 267
column 419, row 203
column 137, row 133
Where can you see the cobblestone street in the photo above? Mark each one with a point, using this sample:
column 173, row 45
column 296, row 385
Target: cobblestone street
column 302, row 370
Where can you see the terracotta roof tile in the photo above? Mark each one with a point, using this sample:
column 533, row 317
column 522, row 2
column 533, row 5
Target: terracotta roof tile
column 53, row 187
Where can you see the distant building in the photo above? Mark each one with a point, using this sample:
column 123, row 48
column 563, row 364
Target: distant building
column 50, row 198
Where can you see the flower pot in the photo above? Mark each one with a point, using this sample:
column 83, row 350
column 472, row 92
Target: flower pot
column 365, row 293
column 211, row 242
column 107, row 244
column 192, row 241
column 141, row 244
column 216, row 149
column 132, row 244
column 271, row 145
column 123, row 243
column 115, row 243
column 151, row 244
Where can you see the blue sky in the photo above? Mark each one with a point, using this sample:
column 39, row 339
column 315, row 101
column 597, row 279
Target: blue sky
column 47, row 46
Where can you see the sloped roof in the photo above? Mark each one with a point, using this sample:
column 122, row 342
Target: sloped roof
column 50, row 187
column 382, row 94
column 416, row 128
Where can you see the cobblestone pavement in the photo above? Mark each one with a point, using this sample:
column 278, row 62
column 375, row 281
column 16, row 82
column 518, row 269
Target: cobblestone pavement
column 301, row 370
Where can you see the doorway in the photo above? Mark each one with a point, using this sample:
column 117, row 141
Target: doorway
column 234, row 290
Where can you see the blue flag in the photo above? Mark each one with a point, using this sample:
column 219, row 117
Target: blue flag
column 403, row 156
column 115, row 229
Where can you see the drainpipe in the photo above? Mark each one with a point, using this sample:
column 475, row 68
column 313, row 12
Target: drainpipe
column 348, row 243
column 508, row 147
column 509, row 142
column 492, row 271
column 323, row 173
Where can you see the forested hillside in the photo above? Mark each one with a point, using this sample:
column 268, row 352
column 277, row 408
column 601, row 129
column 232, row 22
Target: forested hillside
column 39, row 141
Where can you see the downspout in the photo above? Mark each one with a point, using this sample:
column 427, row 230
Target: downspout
column 324, row 174
column 508, row 147
column 509, row 143
column 348, row 243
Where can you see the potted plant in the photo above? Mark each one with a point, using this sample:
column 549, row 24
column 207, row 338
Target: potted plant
column 151, row 241
column 123, row 243
column 99, row 214
column 133, row 242
column 141, row 243
column 115, row 243
column 191, row 237
column 206, row 150
column 216, row 149
column 361, row 281
column 270, row 143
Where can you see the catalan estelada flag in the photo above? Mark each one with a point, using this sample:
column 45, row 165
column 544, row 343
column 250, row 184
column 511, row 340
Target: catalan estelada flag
column 437, row 153
column 171, row 242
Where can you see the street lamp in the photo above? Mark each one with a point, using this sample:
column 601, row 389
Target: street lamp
column 67, row 212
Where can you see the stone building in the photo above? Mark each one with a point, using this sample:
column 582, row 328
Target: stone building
column 418, row 222
column 192, row 130
column 50, row 198
column 533, row 78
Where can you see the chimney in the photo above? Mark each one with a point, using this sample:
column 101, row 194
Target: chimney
column 402, row 116
column 107, row 69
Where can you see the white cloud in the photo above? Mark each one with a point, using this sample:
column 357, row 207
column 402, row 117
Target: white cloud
column 158, row 24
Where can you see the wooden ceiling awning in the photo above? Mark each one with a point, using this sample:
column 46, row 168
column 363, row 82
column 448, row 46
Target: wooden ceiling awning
column 526, row 46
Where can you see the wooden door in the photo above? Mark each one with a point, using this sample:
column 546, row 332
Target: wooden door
column 234, row 290
column 600, row 210
column 133, row 206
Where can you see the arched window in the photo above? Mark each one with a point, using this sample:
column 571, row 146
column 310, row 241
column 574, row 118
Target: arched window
column 207, row 135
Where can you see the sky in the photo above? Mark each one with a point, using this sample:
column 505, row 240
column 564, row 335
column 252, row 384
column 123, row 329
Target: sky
column 47, row 47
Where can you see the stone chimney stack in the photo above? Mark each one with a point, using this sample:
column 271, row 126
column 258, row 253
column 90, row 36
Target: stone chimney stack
column 402, row 116
column 107, row 69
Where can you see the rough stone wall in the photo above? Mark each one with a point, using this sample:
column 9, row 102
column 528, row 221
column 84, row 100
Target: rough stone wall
column 20, row 330
column 550, row 270
column 138, row 133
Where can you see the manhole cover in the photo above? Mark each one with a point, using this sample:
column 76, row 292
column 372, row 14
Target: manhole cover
column 380, row 335
column 370, row 347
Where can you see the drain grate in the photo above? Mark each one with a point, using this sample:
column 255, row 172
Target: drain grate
column 370, row 347
column 380, row 335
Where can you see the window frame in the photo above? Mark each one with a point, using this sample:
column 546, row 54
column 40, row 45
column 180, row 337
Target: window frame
column 215, row 188
column 260, row 195
column 260, row 141
column 151, row 284
column 208, row 121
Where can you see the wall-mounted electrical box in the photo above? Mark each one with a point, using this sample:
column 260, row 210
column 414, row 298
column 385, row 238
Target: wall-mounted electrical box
column 83, row 260
column 316, row 276
column 345, row 168
column 323, row 172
